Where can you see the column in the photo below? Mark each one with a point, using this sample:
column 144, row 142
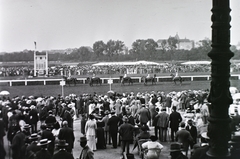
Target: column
column 220, row 97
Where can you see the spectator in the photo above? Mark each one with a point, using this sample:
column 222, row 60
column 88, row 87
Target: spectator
column 62, row 153
column 162, row 123
column 175, row 151
column 86, row 152
column 90, row 129
column 43, row 153
column 175, row 119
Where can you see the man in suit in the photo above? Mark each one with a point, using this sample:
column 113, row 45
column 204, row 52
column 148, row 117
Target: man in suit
column 32, row 147
column 174, row 119
column 193, row 131
column 86, row 153
column 113, row 123
column 184, row 137
column 2, row 130
column 33, row 116
column 43, row 153
column 67, row 134
column 47, row 134
column 126, row 133
column 62, row 153
column 144, row 115
column 18, row 144
column 162, row 123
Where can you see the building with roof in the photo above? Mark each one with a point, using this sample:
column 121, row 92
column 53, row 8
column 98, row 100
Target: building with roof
column 183, row 44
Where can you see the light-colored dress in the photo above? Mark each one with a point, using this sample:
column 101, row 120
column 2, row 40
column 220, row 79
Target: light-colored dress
column 90, row 129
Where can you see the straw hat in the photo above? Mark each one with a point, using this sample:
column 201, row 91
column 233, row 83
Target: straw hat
column 43, row 142
column 62, row 143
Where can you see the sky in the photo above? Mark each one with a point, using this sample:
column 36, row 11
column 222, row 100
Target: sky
column 62, row 24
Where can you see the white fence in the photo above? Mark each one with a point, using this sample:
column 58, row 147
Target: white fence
column 104, row 80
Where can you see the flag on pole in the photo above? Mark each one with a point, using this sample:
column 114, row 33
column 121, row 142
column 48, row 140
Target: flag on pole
column 35, row 43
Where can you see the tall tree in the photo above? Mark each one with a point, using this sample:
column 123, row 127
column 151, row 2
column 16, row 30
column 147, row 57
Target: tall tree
column 172, row 43
column 99, row 47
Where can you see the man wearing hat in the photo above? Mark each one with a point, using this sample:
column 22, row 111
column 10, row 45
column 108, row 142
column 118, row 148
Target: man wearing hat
column 67, row 134
column 47, row 134
column 33, row 118
column 86, row 152
column 106, row 127
column 184, row 137
column 50, row 119
column 193, row 131
column 176, row 152
column 62, row 153
column 126, row 133
column 175, row 119
column 144, row 115
column 18, row 144
column 32, row 147
column 113, row 123
column 162, row 124
column 43, row 153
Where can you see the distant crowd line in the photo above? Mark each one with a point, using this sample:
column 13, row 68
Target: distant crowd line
column 98, row 70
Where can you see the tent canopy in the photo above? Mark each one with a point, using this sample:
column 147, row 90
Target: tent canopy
column 126, row 63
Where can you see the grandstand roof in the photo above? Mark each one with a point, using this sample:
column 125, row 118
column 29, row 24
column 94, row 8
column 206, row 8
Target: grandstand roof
column 126, row 63
column 196, row 63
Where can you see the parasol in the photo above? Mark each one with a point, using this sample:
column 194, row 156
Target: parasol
column 4, row 93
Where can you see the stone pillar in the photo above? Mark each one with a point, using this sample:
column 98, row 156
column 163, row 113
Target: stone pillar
column 220, row 97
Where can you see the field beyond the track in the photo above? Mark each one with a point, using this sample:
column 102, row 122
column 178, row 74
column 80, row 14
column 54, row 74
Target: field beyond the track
column 54, row 90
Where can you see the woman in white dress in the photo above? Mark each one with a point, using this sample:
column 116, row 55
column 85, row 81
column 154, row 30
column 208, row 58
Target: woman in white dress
column 90, row 129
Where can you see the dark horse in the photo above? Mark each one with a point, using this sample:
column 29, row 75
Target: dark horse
column 149, row 79
column 95, row 80
column 175, row 79
column 70, row 80
column 126, row 79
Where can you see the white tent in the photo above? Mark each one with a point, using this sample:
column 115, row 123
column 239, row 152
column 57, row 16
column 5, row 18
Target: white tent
column 196, row 63
column 127, row 63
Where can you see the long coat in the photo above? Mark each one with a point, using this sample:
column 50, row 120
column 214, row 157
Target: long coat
column 144, row 115
column 62, row 154
column 126, row 132
column 67, row 134
column 183, row 136
column 18, row 146
column 163, row 120
column 174, row 119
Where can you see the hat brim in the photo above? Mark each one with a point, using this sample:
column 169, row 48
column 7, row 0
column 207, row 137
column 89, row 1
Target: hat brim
column 65, row 145
column 41, row 144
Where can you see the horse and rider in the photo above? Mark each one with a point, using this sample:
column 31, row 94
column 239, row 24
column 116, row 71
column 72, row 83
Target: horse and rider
column 94, row 79
column 126, row 79
column 149, row 78
column 176, row 78
column 70, row 80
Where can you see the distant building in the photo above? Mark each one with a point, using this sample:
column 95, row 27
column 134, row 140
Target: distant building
column 183, row 44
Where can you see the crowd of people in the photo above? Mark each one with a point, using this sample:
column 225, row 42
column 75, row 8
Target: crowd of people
column 108, row 69
column 113, row 118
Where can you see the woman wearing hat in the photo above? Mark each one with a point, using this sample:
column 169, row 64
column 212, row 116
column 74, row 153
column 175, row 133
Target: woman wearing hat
column 90, row 129
column 62, row 153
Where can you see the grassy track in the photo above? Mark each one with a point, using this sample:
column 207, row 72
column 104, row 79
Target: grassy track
column 54, row 90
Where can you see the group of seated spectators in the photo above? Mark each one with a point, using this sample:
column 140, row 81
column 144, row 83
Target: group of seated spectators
column 113, row 118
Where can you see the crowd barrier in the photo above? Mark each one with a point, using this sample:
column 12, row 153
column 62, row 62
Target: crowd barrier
column 105, row 80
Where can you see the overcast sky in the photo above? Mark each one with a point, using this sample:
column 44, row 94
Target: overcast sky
column 61, row 24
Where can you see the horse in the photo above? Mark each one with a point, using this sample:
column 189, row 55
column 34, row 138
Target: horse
column 178, row 78
column 126, row 79
column 92, row 80
column 70, row 80
column 149, row 79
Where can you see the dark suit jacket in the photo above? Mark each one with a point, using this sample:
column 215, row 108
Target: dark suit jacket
column 33, row 115
column 193, row 132
column 43, row 154
column 174, row 119
column 144, row 115
column 62, row 154
column 163, row 120
column 126, row 131
column 183, row 136
column 67, row 134
column 113, row 124
column 86, row 153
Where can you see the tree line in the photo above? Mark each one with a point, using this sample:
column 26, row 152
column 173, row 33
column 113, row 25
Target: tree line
column 115, row 50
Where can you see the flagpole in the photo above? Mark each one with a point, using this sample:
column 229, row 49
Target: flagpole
column 34, row 60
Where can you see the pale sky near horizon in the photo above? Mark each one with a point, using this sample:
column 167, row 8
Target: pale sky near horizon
column 62, row 24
